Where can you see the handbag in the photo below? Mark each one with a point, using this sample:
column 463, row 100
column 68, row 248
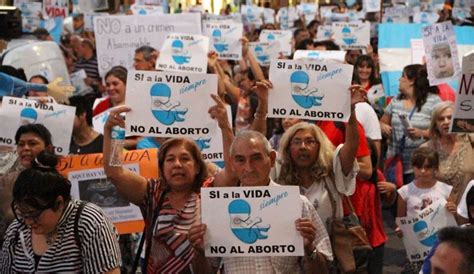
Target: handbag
column 393, row 171
column 349, row 240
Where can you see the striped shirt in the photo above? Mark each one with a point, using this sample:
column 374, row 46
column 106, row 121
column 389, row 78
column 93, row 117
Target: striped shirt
column 90, row 66
column 99, row 251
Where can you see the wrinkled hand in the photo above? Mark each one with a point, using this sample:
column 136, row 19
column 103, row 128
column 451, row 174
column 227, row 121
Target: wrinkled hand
column 115, row 119
column 308, row 231
column 219, row 112
column 196, row 236
column 261, row 89
column 60, row 93
column 386, row 187
column 386, row 130
column 358, row 94
column 451, row 207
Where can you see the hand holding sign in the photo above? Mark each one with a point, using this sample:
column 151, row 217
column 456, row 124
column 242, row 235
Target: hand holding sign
column 196, row 237
column 261, row 90
column 308, row 231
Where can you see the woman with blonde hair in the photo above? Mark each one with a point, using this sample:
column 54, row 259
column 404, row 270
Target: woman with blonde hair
column 456, row 153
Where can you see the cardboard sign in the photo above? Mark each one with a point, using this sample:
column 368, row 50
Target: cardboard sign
column 441, row 53
column 419, row 232
column 463, row 116
column 170, row 104
column 77, row 80
column 184, row 52
column 117, row 37
column 268, row 16
column 88, row 182
column 282, row 36
column 252, row 15
column 372, row 5
column 286, row 16
column 335, row 55
column 352, row 35
column 324, row 32
column 146, row 9
column 56, row 8
column 89, row 20
column 397, row 14
column 425, row 17
column 30, row 14
column 265, row 51
column 225, row 38
column 313, row 90
column 91, row 6
column 309, row 11
column 241, row 221
column 58, row 119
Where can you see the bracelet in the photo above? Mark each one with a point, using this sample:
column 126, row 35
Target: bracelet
column 313, row 254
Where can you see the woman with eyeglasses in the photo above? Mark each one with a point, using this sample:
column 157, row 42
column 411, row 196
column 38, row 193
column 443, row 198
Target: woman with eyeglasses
column 53, row 232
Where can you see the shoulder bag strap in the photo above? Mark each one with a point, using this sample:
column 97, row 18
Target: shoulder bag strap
column 331, row 197
column 402, row 141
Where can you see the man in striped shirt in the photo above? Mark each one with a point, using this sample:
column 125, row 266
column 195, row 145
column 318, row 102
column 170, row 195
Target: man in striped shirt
column 88, row 62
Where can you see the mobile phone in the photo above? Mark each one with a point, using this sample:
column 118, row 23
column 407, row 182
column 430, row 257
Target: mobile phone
column 405, row 121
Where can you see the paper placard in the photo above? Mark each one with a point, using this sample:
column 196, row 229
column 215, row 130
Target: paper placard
column 313, row 90
column 225, row 38
column 425, row 17
column 352, row 35
column 308, row 10
column 335, row 55
column 58, row 119
column 170, row 104
column 286, row 16
column 241, row 221
column 417, row 51
column 89, row 20
column 463, row 116
column 268, row 16
column 264, row 52
column 252, row 15
column 77, row 80
column 324, row 33
column 441, row 53
column 372, row 5
column 419, row 232
column 184, row 52
column 56, row 8
column 146, row 9
column 118, row 37
column 30, row 14
column 284, row 37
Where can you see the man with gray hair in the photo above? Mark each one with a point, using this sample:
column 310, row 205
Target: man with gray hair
column 145, row 58
column 251, row 159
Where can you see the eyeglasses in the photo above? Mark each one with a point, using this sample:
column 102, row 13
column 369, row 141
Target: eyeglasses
column 308, row 142
column 33, row 215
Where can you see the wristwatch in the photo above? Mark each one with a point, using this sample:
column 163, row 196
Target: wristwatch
column 313, row 254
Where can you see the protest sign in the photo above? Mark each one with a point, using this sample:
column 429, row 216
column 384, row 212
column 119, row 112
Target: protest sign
column 117, row 37
column 56, row 8
column 98, row 121
column 397, row 14
column 78, row 81
column 351, row 35
column 30, row 14
column 170, row 104
column 441, row 53
column 324, row 32
column 146, row 9
column 265, row 51
column 308, row 10
column 89, row 20
column 417, row 51
column 224, row 37
column 252, row 14
column 425, row 17
column 419, row 231
column 463, row 116
column 313, row 90
column 91, row 6
column 184, row 52
column 57, row 118
column 241, row 221
column 282, row 36
column 268, row 16
column 88, row 182
column 372, row 5
column 286, row 16
column 335, row 55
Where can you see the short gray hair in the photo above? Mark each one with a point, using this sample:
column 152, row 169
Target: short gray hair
column 147, row 52
column 251, row 134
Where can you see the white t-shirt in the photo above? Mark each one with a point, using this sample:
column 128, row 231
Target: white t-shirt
column 368, row 119
column 418, row 199
column 462, row 207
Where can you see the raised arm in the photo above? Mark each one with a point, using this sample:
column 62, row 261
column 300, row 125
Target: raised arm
column 130, row 185
column 260, row 117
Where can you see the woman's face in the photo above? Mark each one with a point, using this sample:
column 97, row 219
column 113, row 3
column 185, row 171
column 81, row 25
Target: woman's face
column 29, row 146
column 405, row 85
column 116, row 90
column 443, row 121
column 180, row 168
column 304, row 149
column 41, row 221
column 364, row 72
column 34, row 93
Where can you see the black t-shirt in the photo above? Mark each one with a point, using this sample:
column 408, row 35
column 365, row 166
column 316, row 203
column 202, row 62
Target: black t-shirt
column 93, row 147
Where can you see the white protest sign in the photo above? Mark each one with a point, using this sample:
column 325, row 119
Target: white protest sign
column 461, row 13
column 419, row 231
column 30, row 14
column 309, row 10
column 417, row 51
column 371, row 5
column 463, row 116
column 117, row 37
column 352, row 35
column 268, row 16
column 146, row 9
column 265, row 51
column 282, row 36
column 398, row 14
column 375, row 93
column 441, row 53
column 98, row 121
column 56, row 8
column 324, row 33
column 335, row 55
column 425, row 17
column 252, row 15
column 313, row 90
column 241, row 221
column 91, row 6
column 92, row 185
column 45, row 99
column 224, row 37
column 170, row 104
column 78, row 81
column 89, row 20
column 184, row 52
column 286, row 17
column 58, row 119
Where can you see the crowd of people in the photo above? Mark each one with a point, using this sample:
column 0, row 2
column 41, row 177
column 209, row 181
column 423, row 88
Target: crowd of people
column 44, row 229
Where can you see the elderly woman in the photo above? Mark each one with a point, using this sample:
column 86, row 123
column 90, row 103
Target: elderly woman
column 54, row 233
column 456, row 153
column 415, row 102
